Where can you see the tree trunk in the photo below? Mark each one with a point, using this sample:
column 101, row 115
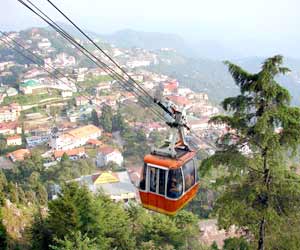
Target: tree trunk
column 265, row 200
column 261, row 241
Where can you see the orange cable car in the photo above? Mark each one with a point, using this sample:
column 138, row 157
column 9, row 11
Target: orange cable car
column 170, row 178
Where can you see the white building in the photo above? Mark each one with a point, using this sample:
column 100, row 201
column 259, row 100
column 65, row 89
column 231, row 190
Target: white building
column 116, row 185
column 44, row 44
column 10, row 112
column 14, row 140
column 74, row 138
column 65, row 94
column 108, row 154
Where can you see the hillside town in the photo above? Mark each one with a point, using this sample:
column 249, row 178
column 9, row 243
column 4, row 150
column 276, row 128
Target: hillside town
column 62, row 117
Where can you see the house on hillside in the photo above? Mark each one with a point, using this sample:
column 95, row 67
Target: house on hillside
column 74, row 154
column 14, row 140
column 36, row 140
column 169, row 87
column 108, row 154
column 10, row 128
column 11, row 92
column 116, row 185
column 31, row 87
column 81, row 101
column 180, row 101
column 73, row 138
column 10, row 112
column 19, row 155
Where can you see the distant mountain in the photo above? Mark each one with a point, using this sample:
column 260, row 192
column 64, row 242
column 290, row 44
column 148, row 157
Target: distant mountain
column 128, row 38
column 189, row 63
column 212, row 76
column 154, row 41
column 147, row 40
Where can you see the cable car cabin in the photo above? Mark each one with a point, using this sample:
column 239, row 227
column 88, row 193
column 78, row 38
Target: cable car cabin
column 168, row 184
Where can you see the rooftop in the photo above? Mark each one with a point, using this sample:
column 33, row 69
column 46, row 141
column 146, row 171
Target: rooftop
column 29, row 83
column 107, row 150
column 84, row 131
column 14, row 137
column 19, row 155
column 70, row 152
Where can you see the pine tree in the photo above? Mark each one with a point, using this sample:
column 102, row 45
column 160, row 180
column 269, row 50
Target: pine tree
column 76, row 242
column 260, row 190
column 106, row 119
column 95, row 118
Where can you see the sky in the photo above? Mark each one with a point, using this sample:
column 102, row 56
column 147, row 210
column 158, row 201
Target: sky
column 250, row 27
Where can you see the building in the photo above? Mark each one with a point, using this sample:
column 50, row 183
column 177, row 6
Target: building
column 11, row 92
column 31, row 86
column 94, row 142
column 74, row 154
column 73, row 138
column 36, row 140
column 199, row 124
column 64, row 60
column 44, row 44
column 14, row 140
column 66, row 94
column 19, row 155
column 103, row 86
column 116, row 185
column 180, row 101
column 10, row 128
column 108, row 154
column 81, row 101
column 30, row 74
column 169, row 87
column 10, row 112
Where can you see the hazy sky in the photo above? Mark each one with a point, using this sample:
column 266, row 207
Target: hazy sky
column 248, row 26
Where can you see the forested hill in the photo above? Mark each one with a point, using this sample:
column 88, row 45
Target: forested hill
column 212, row 76
column 186, row 64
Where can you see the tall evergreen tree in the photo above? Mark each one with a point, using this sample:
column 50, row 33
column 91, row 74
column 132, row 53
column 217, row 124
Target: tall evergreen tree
column 106, row 119
column 95, row 118
column 261, row 191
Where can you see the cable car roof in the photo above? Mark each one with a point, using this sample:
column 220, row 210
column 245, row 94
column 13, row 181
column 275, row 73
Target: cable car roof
column 170, row 163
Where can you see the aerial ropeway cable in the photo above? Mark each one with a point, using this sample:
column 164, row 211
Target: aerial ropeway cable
column 115, row 75
column 169, row 180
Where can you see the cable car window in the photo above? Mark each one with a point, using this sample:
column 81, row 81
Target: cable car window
column 174, row 189
column 153, row 177
column 189, row 175
column 196, row 164
column 162, row 181
column 143, row 180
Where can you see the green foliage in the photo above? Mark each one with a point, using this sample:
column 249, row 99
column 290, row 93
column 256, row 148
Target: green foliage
column 118, row 123
column 79, row 220
column 136, row 143
column 76, row 242
column 65, row 158
column 214, row 246
column 28, row 99
column 259, row 189
column 70, row 212
column 39, row 233
column 95, row 118
column 236, row 244
column 106, row 119
column 3, row 234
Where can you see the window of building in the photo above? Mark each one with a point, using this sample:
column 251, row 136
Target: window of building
column 175, row 187
column 189, row 174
